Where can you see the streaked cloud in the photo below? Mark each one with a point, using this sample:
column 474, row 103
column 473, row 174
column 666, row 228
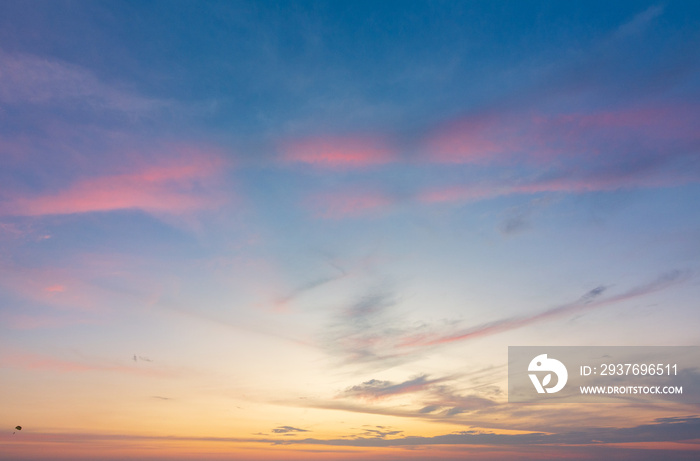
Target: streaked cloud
column 565, row 183
column 169, row 175
column 596, row 137
column 640, row 21
column 660, row 430
column 527, row 152
column 431, row 398
column 369, row 333
column 348, row 203
column 366, row 332
column 287, row 430
column 376, row 389
column 30, row 79
column 178, row 185
column 39, row 362
column 476, row 139
column 338, row 153
column 590, row 300
column 378, row 431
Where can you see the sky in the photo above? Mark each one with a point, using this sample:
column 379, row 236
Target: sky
column 311, row 230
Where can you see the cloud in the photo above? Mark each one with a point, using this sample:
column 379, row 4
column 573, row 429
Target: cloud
column 375, row 389
column 476, row 139
column 590, row 300
column 32, row 321
column 444, row 397
column 178, row 185
column 287, row 429
column 348, row 203
column 673, row 429
column 640, row 21
column 339, row 153
column 88, row 289
column 381, row 432
column 432, row 398
column 283, row 301
column 367, row 333
column 527, row 152
column 515, row 223
column 567, row 182
column 662, row 430
column 604, row 149
column 55, row 288
column 49, row 290
column 530, row 152
column 518, row 218
column 37, row 362
column 28, row 79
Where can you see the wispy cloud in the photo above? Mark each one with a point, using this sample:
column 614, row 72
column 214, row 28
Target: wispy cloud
column 179, row 185
column 59, row 289
column 368, row 333
column 37, row 362
column 283, row 301
column 527, row 152
column 445, row 399
column 431, row 398
column 594, row 137
column 287, row 429
column 640, row 21
column 563, row 182
column 376, row 389
column 29, row 79
column 477, row 139
column 381, row 432
column 338, row 153
column 518, row 219
column 661, row 430
column 348, row 203
column 590, row 300
column 673, row 429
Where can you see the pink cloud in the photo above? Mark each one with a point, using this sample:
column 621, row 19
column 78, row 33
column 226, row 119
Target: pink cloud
column 348, row 204
column 177, row 185
column 55, row 288
column 338, row 152
column 464, row 193
column 531, row 137
column 49, row 297
column 474, row 139
column 662, row 120
column 610, row 182
column 73, row 294
column 64, row 291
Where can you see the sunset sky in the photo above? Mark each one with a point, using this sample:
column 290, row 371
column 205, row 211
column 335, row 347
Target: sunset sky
column 311, row 230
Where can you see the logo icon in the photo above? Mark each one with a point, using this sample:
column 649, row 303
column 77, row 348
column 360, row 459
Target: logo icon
column 542, row 363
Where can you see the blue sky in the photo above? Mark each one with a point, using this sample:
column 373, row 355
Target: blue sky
column 320, row 221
